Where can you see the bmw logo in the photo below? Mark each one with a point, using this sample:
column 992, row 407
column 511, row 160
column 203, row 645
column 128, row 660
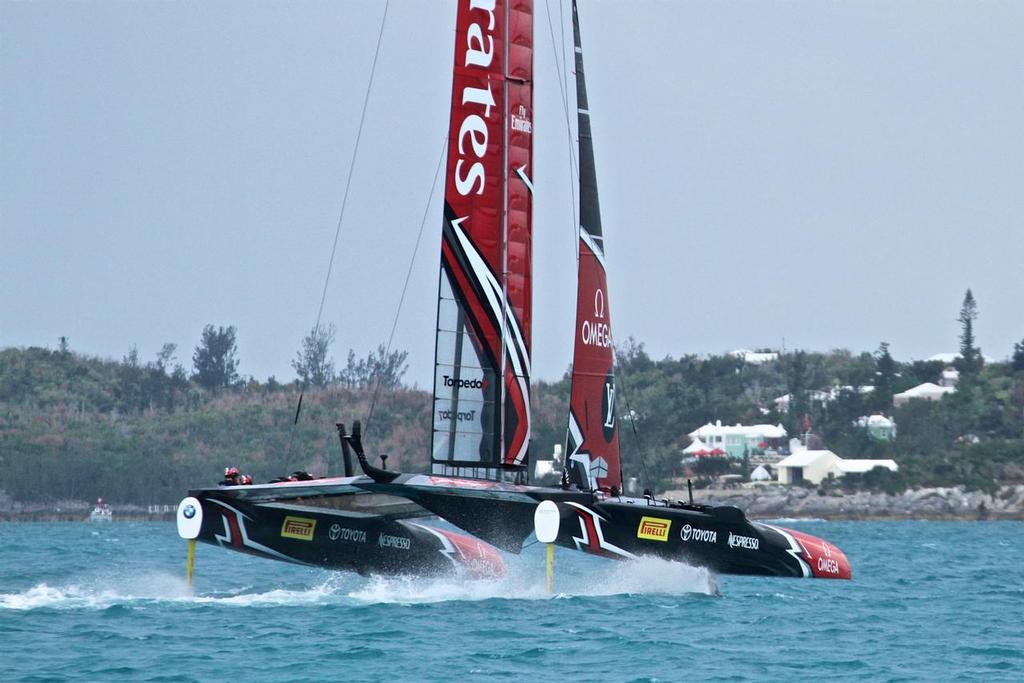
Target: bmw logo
column 189, row 511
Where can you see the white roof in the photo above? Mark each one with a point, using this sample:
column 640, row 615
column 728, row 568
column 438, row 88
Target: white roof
column 861, row 466
column 755, row 357
column 926, row 390
column 805, row 458
column 760, row 474
column 697, row 445
column 949, row 358
column 763, row 431
column 875, row 421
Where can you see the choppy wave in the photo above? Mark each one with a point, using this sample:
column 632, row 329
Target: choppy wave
column 76, row 609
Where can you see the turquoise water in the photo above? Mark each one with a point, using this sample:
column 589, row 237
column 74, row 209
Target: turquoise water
column 930, row 601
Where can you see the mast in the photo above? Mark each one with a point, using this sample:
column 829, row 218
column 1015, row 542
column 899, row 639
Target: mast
column 592, row 453
column 482, row 356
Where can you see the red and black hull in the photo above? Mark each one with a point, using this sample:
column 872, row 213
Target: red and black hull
column 720, row 538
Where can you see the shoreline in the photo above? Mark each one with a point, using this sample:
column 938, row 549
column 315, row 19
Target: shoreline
column 56, row 516
column 935, row 504
column 758, row 503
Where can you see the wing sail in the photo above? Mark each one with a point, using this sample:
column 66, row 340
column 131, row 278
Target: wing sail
column 593, row 434
column 481, row 418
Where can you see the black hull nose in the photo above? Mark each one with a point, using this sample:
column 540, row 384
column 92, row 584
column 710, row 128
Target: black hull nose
column 358, row 542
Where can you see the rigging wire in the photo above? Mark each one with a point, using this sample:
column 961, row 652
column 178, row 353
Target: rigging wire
column 341, row 214
column 562, row 68
column 408, row 275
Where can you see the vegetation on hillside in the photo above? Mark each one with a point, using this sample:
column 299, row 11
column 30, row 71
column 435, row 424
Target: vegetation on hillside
column 77, row 427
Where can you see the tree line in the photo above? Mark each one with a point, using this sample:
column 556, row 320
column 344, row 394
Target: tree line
column 72, row 426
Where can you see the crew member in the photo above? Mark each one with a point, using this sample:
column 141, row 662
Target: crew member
column 231, row 476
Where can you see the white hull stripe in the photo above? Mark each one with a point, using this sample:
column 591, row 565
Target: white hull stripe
column 246, row 541
column 584, row 543
column 795, row 549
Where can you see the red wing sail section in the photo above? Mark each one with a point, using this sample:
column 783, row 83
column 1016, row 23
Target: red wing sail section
column 482, row 369
column 593, row 437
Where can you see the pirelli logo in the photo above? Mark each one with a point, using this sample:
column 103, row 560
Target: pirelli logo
column 654, row 529
column 298, row 527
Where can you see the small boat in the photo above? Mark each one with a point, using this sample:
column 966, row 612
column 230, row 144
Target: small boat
column 101, row 512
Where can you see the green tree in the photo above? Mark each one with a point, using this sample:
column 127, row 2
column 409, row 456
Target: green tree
column 796, row 376
column 129, row 387
column 969, row 363
column 312, row 364
column 379, row 368
column 885, row 378
column 215, row 359
column 1018, row 356
column 165, row 356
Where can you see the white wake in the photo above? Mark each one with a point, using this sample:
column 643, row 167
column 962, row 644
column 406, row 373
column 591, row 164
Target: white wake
column 525, row 581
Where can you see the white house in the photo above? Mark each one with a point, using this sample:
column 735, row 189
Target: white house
column 927, row 391
column 816, row 466
column 738, row 439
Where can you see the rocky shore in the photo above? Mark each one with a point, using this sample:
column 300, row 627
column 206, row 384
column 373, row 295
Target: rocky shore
column 954, row 503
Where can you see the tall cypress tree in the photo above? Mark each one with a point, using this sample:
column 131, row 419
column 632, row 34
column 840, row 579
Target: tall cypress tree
column 970, row 355
column 885, row 377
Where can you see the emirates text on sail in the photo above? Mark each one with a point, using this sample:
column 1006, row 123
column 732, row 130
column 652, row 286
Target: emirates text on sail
column 479, row 53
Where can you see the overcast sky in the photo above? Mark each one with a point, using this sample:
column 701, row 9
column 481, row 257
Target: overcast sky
column 828, row 174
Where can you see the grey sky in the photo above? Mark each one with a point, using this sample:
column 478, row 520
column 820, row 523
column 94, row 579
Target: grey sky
column 835, row 174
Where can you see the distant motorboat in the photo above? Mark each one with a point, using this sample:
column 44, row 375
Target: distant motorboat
column 101, row 513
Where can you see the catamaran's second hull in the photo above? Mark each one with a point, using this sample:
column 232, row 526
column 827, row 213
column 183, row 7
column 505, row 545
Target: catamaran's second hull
column 364, row 542
column 718, row 537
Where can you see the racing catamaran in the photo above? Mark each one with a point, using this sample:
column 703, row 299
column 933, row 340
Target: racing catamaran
column 481, row 402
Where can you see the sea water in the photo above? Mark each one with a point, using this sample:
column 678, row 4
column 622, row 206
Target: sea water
column 929, row 601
